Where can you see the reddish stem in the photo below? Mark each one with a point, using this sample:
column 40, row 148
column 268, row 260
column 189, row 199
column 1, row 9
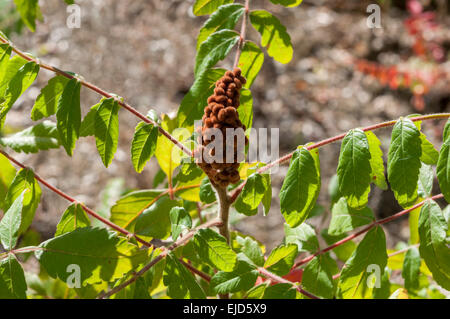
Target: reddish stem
column 242, row 33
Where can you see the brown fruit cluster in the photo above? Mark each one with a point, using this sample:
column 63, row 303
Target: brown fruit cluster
column 221, row 113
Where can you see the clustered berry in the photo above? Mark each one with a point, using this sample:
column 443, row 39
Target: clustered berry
column 221, row 113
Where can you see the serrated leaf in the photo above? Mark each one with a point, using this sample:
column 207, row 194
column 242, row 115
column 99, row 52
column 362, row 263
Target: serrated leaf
column 429, row 155
column 446, row 132
column 144, row 145
column 281, row 259
column 404, row 161
column 47, row 100
column 29, row 12
column 354, row 170
column 68, row 115
column 344, row 251
column 73, row 218
column 251, row 249
column 287, row 3
column 425, row 182
column 433, row 246
column 301, row 186
column 252, row 194
column 273, row 35
column 376, row 160
column 245, row 110
column 180, row 283
column 10, row 223
column 213, row 249
column 100, row 254
column 5, row 54
column 242, row 278
column 443, row 169
column 180, row 220
column 303, row 236
column 87, row 127
column 344, row 218
column 130, row 205
column 24, row 181
column 250, row 62
column 7, row 174
column 215, row 48
column 225, row 17
column 279, row 291
column 202, row 7
column 12, row 279
column 42, row 136
column 207, row 193
column 318, row 276
column 256, row 292
column 11, row 67
column 107, row 129
column 19, row 83
column 193, row 103
column 155, row 220
column 411, row 269
column 353, row 282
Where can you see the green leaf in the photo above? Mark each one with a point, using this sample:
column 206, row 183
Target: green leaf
column 99, row 253
column 301, row 186
column 131, row 204
column 273, row 35
column 155, row 220
column 87, row 127
column 10, row 224
column 245, row 110
column 194, row 101
column 11, row 68
column 287, row 3
column 213, row 249
column 202, row 7
column 267, row 198
column 371, row 251
column 29, row 12
column 7, row 174
column 19, row 83
column 251, row 249
column 144, row 145
column 344, row 251
column 207, row 193
column 214, row 49
column 252, row 194
column 250, row 62
column 242, row 278
column 46, row 102
column 68, row 115
column 281, row 259
column 411, row 269
column 225, row 17
column 73, row 218
column 256, row 292
column 280, row 291
column 5, row 54
column 354, row 170
column 303, row 236
column 446, row 132
column 404, row 161
column 42, row 136
column 180, row 283
column 12, row 279
column 318, row 276
column 24, row 181
column 426, row 178
column 433, row 246
column 443, row 169
column 376, row 160
column 344, row 218
column 429, row 155
column 107, row 129
column 180, row 220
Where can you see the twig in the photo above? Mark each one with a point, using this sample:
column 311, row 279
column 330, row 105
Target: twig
column 242, row 33
column 195, row 271
column 101, row 92
column 224, row 211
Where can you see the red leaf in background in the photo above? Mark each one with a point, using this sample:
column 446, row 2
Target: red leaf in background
column 414, row 7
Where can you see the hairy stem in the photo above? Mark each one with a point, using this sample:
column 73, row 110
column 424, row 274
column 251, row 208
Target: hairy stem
column 242, row 33
column 224, row 211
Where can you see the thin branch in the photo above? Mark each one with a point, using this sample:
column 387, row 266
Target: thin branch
column 224, row 211
column 73, row 200
column 101, row 92
column 242, row 33
column 278, row 279
column 164, row 252
column 195, row 271
column 336, row 138
column 364, row 230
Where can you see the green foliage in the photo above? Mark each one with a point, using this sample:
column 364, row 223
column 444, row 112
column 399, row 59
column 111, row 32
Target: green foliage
column 281, row 259
column 12, row 279
column 47, row 101
column 376, row 160
column 345, row 218
column 107, row 129
column 287, row 3
column 411, row 269
column 202, row 7
column 443, row 165
column 207, row 193
column 29, row 11
column 252, row 194
column 7, row 174
column 42, row 136
column 73, row 218
column 242, row 278
column 318, row 276
column 144, row 145
column 250, row 62
column 10, row 224
column 273, row 35
column 404, row 161
column 354, row 169
column 180, row 220
column 301, row 186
